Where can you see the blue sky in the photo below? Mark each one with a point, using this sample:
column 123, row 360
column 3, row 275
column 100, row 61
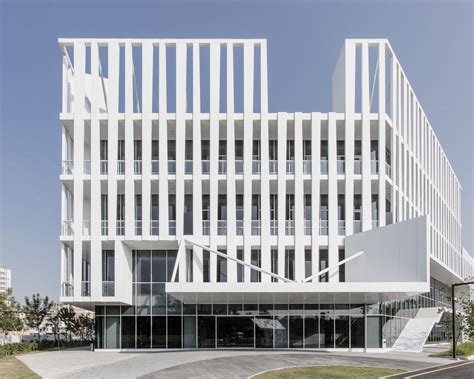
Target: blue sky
column 432, row 39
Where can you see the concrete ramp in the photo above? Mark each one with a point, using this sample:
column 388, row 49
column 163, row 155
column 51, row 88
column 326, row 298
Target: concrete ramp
column 416, row 331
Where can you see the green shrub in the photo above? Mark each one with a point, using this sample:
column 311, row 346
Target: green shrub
column 29, row 347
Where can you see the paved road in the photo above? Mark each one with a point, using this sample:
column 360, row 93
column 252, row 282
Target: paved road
column 205, row 363
column 463, row 369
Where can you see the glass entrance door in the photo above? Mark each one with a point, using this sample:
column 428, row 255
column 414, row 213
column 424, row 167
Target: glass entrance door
column 235, row 331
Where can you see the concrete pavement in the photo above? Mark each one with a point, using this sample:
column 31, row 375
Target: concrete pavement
column 205, row 363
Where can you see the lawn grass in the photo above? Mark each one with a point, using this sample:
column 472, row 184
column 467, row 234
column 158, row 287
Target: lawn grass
column 13, row 368
column 329, row 372
column 464, row 349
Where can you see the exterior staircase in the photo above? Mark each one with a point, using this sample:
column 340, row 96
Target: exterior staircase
column 416, row 331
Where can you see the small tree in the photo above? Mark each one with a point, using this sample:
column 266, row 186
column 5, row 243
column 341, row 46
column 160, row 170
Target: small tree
column 36, row 309
column 85, row 327
column 55, row 323
column 10, row 310
column 67, row 315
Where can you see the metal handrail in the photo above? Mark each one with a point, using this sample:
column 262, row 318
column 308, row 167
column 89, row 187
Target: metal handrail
column 120, row 167
column 67, row 167
column 323, row 227
column 120, row 227
column 104, row 167
column 171, row 167
column 108, row 288
column 273, row 227
column 137, row 167
column 67, row 289
column 154, row 227
column 222, row 227
column 307, row 166
column 256, row 227
column 155, row 166
column 290, row 227
column 67, row 228
column 206, row 227
column 104, row 227
column 239, row 227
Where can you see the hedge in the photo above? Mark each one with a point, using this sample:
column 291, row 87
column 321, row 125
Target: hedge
column 31, row 346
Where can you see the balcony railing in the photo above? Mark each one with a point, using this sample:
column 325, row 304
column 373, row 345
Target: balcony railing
column 121, row 167
column 239, row 166
column 86, row 227
column 154, row 228
column 206, row 227
column 67, row 289
column 221, row 227
column 67, row 228
column 273, row 227
column 290, row 166
column 155, row 166
column 188, row 167
column 273, row 166
column 256, row 166
column 104, row 167
column 341, row 227
column 172, row 227
column 388, row 170
column 357, row 165
column 323, row 227
column 307, row 227
column 324, row 166
column 206, row 167
column 87, row 167
column 374, row 166
column 138, row 227
column 290, row 227
column 171, row 167
column 120, row 227
column 357, row 226
column 85, row 288
column 341, row 166
column 104, row 227
column 108, row 288
column 375, row 224
column 307, row 166
column 137, row 167
column 67, row 167
column 239, row 227
column 256, row 227
column 222, row 166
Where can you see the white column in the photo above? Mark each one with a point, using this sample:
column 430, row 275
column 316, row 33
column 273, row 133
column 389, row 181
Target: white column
column 264, row 166
column 181, row 50
column 248, row 141
column 366, row 164
column 333, row 247
column 382, row 139
column 147, row 96
column 78, row 202
column 299, row 199
column 96, row 244
column 231, row 193
column 350, row 71
column 282, row 136
column 315, row 189
column 197, row 180
column 214, row 149
column 112, row 102
column 163, row 145
column 130, row 216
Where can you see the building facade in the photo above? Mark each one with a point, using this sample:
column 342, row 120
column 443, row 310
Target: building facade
column 192, row 217
column 5, row 279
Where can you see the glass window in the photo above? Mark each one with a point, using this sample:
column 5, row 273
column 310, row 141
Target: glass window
column 326, row 322
column 342, row 331
column 142, row 272
column 255, row 260
column 158, row 265
column 281, row 331
column 171, row 259
column 358, row 331
column 189, row 332
column 112, row 332
column 158, row 299
column 143, row 332
column 290, row 264
column 311, row 332
column 264, row 332
column 174, row 305
column 174, row 332
column 99, row 331
column 128, row 332
column 235, row 332
column 159, row 332
column 296, row 331
column 143, row 299
column 206, row 332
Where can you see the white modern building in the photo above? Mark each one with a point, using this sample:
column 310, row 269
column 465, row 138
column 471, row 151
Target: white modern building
column 5, row 279
column 192, row 217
